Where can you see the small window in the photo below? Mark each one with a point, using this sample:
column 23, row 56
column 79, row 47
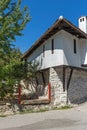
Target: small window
column 83, row 19
column 75, row 46
column 80, row 20
column 52, row 46
column 43, row 50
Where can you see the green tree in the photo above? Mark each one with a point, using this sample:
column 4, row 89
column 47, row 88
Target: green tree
column 10, row 73
column 12, row 21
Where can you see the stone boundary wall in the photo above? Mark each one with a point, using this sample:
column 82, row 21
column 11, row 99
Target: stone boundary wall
column 76, row 94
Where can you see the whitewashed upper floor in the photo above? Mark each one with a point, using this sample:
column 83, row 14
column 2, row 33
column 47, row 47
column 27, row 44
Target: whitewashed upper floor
column 62, row 48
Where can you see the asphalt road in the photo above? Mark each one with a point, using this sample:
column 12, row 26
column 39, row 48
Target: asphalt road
column 71, row 119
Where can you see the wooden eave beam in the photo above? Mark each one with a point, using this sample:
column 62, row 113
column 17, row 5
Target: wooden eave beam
column 84, row 65
column 74, row 33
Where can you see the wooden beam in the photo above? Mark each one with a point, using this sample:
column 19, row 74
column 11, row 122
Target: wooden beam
column 68, row 83
column 35, row 102
column 43, row 78
column 49, row 92
column 64, row 73
column 84, row 65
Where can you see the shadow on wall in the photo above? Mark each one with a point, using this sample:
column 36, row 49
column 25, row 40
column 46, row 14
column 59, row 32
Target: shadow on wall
column 33, row 89
column 77, row 92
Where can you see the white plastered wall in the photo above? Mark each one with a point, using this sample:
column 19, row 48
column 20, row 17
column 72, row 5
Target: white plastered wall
column 63, row 51
column 49, row 60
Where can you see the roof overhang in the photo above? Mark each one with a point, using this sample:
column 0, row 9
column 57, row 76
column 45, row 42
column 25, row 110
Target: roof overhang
column 56, row 27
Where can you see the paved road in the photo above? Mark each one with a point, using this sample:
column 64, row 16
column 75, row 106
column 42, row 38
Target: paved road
column 72, row 119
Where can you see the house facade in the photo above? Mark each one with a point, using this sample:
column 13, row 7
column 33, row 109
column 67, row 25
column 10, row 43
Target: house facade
column 62, row 55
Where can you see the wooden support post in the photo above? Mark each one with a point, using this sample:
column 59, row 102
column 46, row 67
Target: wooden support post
column 49, row 92
column 68, row 83
column 43, row 78
column 64, row 73
column 19, row 94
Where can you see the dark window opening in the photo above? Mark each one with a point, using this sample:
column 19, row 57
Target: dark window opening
column 80, row 20
column 52, row 46
column 43, row 50
column 75, row 46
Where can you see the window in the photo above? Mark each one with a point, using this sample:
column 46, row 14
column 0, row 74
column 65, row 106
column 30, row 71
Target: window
column 43, row 50
column 83, row 19
column 74, row 46
column 52, row 46
column 80, row 20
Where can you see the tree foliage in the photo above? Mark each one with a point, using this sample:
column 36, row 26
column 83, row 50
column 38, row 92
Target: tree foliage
column 13, row 20
column 7, row 76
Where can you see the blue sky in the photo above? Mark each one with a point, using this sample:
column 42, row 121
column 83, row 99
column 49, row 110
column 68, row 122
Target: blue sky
column 44, row 13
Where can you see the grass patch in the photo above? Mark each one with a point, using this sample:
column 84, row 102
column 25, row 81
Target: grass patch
column 33, row 111
column 45, row 109
column 2, row 115
column 62, row 107
column 65, row 107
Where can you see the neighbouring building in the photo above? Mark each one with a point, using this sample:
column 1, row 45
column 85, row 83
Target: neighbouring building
column 62, row 55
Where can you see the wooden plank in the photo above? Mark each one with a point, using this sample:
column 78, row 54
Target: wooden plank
column 34, row 102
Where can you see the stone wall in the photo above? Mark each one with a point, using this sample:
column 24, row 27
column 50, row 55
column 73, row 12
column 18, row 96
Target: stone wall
column 58, row 95
column 77, row 92
column 43, row 80
column 37, row 86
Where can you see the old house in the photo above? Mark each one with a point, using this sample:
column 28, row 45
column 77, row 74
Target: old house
column 62, row 55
